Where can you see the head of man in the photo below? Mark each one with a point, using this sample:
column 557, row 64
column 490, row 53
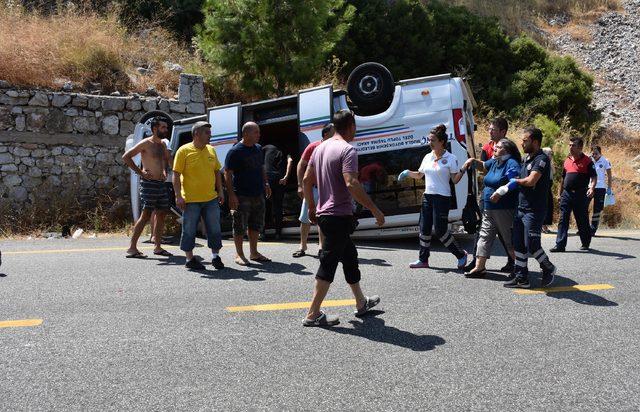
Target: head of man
column 498, row 129
column 160, row 127
column 328, row 131
column 250, row 133
column 531, row 139
column 345, row 124
column 575, row 146
column 438, row 138
column 596, row 152
column 201, row 132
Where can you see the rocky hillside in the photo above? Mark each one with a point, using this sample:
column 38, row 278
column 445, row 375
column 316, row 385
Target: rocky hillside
column 611, row 51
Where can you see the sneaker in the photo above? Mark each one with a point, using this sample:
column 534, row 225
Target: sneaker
column 584, row 247
column 217, row 263
column 418, row 264
column 462, row 262
column 519, row 282
column 508, row 268
column 556, row 249
column 548, row 275
column 322, row 320
column 194, row 264
column 370, row 303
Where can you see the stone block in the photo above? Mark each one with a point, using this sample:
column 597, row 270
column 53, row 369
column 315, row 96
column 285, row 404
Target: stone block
column 39, row 99
column 55, row 170
column 16, row 110
column 46, row 162
column 60, row 100
column 13, row 101
column 28, row 161
column 85, row 125
column 35, row 172
column 94, row 103
column 163, row 105
column 39, row 153
column 80, row 101
column 12, row 180
column 3, row 149
column 72, row 111
column 110, row 124
column 184, row 93
column 12, row 93
column 21, row 123
column 134, row 105
column 104, row 157
column 126, row 127
column 69, row 151
column 10, row 167
column 113, row 104
column 57, row 122
column 128, row 115
column 149, row 105
column 196, row 108
column 178, row 107
column 197, row 93
column 89, row 151
column 36, row 121
column 19, row 194
column 20, row 151
column 53, row 181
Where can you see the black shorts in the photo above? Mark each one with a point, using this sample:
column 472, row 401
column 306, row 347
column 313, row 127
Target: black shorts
column 154, row 195
column 337, row 247
column 250, row 214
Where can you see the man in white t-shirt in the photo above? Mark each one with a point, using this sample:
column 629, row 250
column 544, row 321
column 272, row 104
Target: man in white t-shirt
column 603, row 185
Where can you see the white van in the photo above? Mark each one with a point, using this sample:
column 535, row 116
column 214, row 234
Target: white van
column 393, row 121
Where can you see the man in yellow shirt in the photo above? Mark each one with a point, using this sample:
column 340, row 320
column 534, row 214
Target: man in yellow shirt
column 198, row 186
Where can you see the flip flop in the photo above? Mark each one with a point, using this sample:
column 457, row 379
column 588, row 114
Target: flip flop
column 162, row 253
column 261, row 258
column 136, row 255
column 299, row 253
column 241, row 262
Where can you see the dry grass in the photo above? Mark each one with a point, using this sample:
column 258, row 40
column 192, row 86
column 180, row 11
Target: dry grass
column 516, row 16
column 45, row 51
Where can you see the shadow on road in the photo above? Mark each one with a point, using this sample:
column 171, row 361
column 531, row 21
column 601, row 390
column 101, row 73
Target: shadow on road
column 618, row 256
column 578, row 296
column 2, row 275
column 373, row 328
column 231, row 273
column 279, row 267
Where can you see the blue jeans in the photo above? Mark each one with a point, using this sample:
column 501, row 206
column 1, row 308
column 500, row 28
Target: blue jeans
column 210, row 212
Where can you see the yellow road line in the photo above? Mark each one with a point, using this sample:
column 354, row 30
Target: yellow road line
column 574, row 288
column 20, row 323
column 290, row 305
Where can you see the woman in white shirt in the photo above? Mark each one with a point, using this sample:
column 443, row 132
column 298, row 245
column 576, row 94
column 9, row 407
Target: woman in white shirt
column 438, row 168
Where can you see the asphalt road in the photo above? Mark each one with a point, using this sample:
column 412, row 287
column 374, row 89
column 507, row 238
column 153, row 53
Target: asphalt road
column 123, row 334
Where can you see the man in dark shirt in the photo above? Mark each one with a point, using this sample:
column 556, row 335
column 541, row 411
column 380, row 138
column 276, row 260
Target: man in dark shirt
column 578, row 184
column 247, row 183
column 277, row 173
column 532, row 208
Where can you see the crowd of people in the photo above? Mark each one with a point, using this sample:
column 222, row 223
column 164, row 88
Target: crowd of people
column 516, row 201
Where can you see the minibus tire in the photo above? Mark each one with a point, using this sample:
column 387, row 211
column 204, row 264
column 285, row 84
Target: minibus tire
column 370, row 87
column 156, row 113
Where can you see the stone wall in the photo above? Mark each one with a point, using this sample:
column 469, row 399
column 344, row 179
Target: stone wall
column 57, row 139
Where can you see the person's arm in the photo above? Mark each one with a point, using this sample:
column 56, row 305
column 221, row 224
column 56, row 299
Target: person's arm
column 511, row 174
column 609, row 179
column 219, row 187
column 301, row 168
column 228, row 180
column 456, row 173
column 360, row 195
column 265, row 180
column 308, row 181
column 127, row 157
column 479, row 164
column 177, row 188
column 284, row 180
column 410, row 173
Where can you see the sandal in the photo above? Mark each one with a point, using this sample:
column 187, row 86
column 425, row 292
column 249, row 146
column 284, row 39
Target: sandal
column 162, row 253
column 261, row 258
column 240, row 261
column 476, row 274
column 136, row 255
column 299, row 253
column 322, row 320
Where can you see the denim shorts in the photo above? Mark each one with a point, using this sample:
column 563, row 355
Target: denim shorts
column 250, row 215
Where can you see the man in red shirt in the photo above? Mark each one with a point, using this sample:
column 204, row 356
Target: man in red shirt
column 305, row 224
column 578, row 185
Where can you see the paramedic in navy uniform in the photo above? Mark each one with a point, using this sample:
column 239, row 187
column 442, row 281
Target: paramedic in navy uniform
column 578, row 185
column 533, row 184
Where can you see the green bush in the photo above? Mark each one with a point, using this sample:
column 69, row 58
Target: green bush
column 515, row 76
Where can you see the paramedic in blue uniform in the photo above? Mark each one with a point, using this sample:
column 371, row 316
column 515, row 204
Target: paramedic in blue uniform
column 533, row 185
column 578, row 185
column 603, row 186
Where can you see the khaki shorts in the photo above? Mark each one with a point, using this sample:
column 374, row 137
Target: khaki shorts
column 250, row 215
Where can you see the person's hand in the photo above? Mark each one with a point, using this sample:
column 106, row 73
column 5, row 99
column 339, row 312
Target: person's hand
column 221, row 199
column 468, row 163
column 146, row 175
column 312, row 216
column 283, row 181
column 379, row 217
column 233, row 201
column 267, row 192
column 495, row 197
column 180, row 203
column 590, row 193
column 300, row 192
column 164, row 175
column 403, row 175
column 609, row 191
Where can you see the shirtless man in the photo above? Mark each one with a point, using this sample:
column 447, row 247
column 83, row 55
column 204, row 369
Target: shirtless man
column 153, row 193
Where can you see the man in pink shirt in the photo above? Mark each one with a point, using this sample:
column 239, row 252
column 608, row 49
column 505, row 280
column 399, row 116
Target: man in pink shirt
column 333, row 168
